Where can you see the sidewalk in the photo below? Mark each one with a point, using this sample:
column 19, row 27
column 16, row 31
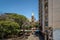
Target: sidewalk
column 33, row 37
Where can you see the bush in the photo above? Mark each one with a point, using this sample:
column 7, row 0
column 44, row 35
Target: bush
column 28, row 27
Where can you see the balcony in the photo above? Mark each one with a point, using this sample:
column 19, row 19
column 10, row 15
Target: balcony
column 46, row 4
column 46, row 10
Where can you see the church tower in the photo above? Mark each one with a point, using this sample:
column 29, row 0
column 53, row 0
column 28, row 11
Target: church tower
column 32, row 19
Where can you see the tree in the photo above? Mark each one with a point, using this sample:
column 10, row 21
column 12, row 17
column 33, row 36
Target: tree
column 36, row 24
column 20, row 19
column 8, row 27
column 11, row 23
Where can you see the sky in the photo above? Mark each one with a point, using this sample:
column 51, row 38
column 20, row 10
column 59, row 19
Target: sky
column 24, row 7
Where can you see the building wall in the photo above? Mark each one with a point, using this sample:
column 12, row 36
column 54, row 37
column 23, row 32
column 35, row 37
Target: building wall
column 54, row 13
column 50, row 12
column 40, row 14
column 43, row 14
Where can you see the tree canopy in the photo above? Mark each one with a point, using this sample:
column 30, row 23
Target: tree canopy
column 11, row 23
column 8, row 27
column 20, row 19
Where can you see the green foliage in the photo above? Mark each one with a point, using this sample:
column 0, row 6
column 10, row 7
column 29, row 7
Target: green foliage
column 37, row 25
column 20, row 19
column 28, row 27
column 8, row 27
column 10, row 23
